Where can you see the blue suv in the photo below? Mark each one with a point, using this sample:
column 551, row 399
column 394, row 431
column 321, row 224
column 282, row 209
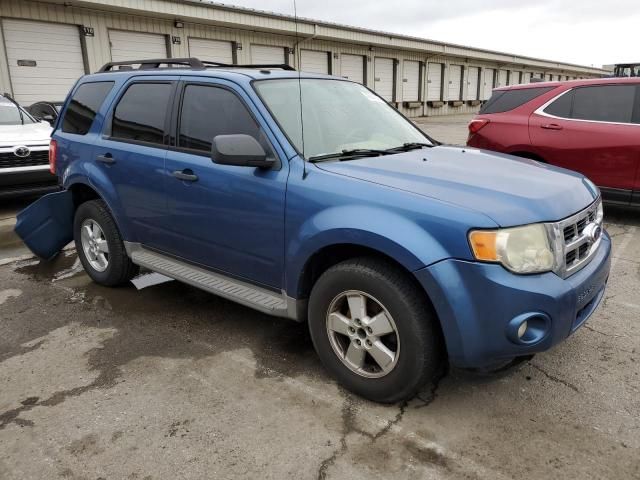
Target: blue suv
column 309, row 197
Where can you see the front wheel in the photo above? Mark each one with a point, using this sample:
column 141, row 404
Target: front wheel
column 374, row 330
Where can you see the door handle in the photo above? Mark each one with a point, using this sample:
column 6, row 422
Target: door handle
column 186, row 175
column 106, row 158
column 551, row 126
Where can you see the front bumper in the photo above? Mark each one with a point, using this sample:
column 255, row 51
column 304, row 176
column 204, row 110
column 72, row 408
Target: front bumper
column 476, row 302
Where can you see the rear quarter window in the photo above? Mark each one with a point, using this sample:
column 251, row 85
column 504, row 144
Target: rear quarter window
column 506, row 100
column 84, row 105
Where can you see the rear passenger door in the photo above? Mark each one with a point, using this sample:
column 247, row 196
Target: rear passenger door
column 593, row 130
column 131, row 154
column 227, row 218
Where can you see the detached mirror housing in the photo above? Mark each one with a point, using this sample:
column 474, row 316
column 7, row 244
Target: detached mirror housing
column 239, row 150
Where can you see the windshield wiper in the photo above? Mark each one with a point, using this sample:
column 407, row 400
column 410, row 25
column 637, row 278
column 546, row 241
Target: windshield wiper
column 406, row 147
column 348, row 154
column 10, row 98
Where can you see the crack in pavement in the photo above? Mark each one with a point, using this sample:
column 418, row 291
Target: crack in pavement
column 554, row 378
column 349, row 426
column 614, row 335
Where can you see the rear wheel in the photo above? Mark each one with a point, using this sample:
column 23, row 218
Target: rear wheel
column 375, row 330
column 100, row 246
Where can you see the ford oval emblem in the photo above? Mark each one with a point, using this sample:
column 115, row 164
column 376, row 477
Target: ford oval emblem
column 21, row 151
column 593, row 232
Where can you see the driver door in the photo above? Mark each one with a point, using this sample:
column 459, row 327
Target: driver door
column 227, row 218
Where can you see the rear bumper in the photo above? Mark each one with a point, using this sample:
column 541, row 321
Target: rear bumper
column 27, row 181
column 478, row 304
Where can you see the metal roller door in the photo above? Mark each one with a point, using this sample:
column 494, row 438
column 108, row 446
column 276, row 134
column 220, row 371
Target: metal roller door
column 136, row 45
column 411, row 81
column 352, row 67
column 514, row 77
column 384, row 78
column 454, row 91
column 473, row 82
column 487, row 83
column 265, row 54
column 314, row 61
column 212, row 50
column 434, row 81
column 502, row 78
column 45, row 59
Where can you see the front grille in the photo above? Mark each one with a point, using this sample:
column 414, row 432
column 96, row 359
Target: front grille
column 10, row 160
column 581, row 236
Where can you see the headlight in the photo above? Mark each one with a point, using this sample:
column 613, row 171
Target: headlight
column 520, row 249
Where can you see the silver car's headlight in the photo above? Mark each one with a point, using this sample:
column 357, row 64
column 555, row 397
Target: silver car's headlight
column 520, row 249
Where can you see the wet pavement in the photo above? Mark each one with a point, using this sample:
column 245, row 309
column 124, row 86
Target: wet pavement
column 171, row 382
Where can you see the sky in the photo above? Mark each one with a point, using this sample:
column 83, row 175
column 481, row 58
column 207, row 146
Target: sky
column 586, row 32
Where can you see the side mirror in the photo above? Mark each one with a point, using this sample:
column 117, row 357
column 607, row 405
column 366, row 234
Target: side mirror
column 48, row 118
column 239, row 150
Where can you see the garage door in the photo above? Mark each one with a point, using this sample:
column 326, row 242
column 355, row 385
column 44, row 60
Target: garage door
column 473, row 81
column 434, row 81
column 455, row 82
column 411, row 81
column 514, row 77
column 352, row 67
column 45, row 59
column 383, row 77
column 502, row 78
column 265, row 54
column 212, row 50
column 314, row 61
column 487, row 83
column 136, row 45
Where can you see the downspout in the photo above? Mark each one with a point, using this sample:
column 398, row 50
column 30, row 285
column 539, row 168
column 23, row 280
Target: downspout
column 299, row 42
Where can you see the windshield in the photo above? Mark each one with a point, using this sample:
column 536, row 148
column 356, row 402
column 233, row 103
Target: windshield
column 10, row 115
column 338, row 116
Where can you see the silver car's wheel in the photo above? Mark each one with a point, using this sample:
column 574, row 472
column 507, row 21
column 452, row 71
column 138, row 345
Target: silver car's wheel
column 94, row 245
column 363, row 334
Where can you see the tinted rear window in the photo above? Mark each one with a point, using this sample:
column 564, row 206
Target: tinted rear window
column 83, row 107
column 505, row 100
column 140, row 115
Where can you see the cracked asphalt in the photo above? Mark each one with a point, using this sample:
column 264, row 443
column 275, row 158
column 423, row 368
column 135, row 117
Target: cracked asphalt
column 170, row 382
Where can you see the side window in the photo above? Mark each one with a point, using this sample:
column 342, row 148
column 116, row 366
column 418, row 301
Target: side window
column 83, row 106
column 141, row 113
column 211, row 111
column 561, row 107
column 604, row 103
column 506, row 100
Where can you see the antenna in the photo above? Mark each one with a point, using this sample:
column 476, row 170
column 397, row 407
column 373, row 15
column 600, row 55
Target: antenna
column 299, row 60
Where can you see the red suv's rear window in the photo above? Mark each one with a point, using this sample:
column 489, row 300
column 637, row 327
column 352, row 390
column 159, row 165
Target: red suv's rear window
column 505, row 100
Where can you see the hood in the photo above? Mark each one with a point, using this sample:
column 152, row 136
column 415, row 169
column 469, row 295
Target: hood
column 29, row 134
column 510, row 190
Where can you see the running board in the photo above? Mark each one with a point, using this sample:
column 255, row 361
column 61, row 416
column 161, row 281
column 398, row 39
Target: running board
column 279, row 305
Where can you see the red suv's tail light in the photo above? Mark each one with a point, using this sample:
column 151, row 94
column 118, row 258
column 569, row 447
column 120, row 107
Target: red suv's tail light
column 53, row 153
column 477, row 124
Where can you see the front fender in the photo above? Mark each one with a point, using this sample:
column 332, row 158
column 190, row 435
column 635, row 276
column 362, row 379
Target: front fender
column 385, row 231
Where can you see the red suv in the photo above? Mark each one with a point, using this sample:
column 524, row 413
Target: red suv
column 591, row 126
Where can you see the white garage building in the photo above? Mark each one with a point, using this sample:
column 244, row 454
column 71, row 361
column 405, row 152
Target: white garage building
column 47, row 44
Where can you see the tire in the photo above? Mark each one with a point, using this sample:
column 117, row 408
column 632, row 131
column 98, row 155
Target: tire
column 114, row 267
column 418, row 353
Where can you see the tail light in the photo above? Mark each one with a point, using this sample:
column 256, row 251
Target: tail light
column 53, row 153
column 477, row 124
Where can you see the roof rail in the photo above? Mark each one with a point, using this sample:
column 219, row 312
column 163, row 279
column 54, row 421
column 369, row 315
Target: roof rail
column 282, row 66
column 147, row 64
column 193, row 63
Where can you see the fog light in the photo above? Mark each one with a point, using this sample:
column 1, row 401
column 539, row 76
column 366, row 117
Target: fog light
column 522, row 329
column 528, row 328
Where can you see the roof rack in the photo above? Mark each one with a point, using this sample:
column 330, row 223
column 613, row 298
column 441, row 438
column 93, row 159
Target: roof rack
column 192, row 63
